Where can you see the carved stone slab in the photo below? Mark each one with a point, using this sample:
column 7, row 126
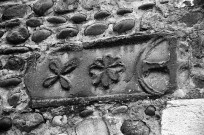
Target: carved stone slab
column 113, row 69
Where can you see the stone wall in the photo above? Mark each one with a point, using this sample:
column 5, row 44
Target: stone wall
column 106, row 67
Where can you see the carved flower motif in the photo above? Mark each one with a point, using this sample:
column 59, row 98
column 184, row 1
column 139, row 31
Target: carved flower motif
column 105, row 71
column 59, row 73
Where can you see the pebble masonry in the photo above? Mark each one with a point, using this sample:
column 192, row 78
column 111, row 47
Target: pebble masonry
column 101, row 67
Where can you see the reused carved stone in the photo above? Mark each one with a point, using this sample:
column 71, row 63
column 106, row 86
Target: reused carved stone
column 59, row 73
column 137, row 66
column 105, row 71
column 154, row 75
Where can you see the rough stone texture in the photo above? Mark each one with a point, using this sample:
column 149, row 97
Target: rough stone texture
column 183, row 117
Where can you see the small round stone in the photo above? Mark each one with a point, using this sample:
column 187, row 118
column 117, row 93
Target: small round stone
column 102, row 14
column 41, row 6
column 120, row 109
column 59, row 120
column 13, row 23
column 134, row 127
column 68, row 32
column 56, row 19
column 123, row 11
column 16, row 11
column 85, row 113
column 34, row 22
column 40, row 35
column 124, row 25
column 13, row 100
column 15, row 63
column 150, row 110
column 92, row 126
column 18, row 35
column 65, row 6
column 5, row 124
column 146, row 6
column 95, row 29
column 78, row 18
column 1, row 65
column 1, row 33
column 10, row 82
column 28, row 121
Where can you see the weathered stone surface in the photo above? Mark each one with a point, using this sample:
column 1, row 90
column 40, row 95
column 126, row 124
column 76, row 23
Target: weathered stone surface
column 134, row 127
column 68, row 32
column 5, row 124
column 183, row 117
column 102, row 14
column 10, row 82
column 92, row 126
column 28, row 121
column 123, row 26
column 78, row 18
column 65, row 6
column 40, row 35
column 15, row 63
column 18, row 35
column 41, row 6
column 95, row 29
column 123, row 11
column 16, row 11
column 56, row 19
column 34, row 22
